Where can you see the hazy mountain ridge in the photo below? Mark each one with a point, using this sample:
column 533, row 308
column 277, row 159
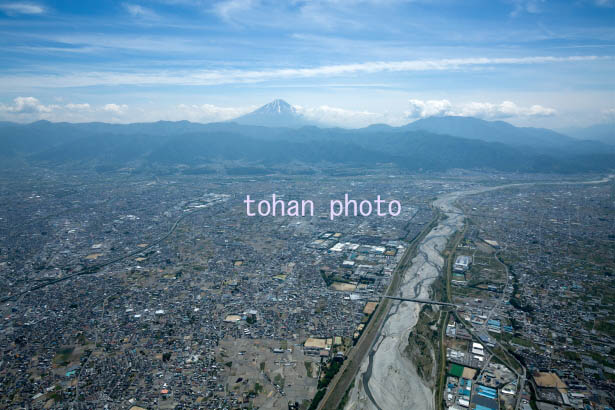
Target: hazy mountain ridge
column 490, row 131
column 111, row 146
column 542, row 139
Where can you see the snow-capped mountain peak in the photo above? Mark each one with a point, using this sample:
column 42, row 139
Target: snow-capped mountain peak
column 277, row 113
column 277, row 106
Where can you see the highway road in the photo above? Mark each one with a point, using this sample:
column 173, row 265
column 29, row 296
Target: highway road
column 426, row 301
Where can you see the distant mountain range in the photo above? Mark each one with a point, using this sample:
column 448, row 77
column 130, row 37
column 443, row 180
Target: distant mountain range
column 254, row 144
column 490, row 131
column 279, row 113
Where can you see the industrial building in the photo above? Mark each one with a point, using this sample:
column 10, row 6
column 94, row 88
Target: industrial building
column 462, row 263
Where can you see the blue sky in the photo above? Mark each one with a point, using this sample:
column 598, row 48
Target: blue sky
column 347, row 62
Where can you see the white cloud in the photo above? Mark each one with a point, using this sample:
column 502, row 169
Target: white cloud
column 506, row 109
column 485, row 110
column 605, row 3
column 429, row 108
column 226, row 9
column 115, row 108
column 327, row 115
column 27, row 105
column 31, row 109
column 21, row 8
column 78, row 107
column 209, row 112
column 139, row 11
column 217, row 77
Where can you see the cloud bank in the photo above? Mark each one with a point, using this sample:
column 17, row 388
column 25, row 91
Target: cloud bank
column 24, row 109
column 27, row 105
column 209, row 112
column 340, row 117
column 484, row 110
